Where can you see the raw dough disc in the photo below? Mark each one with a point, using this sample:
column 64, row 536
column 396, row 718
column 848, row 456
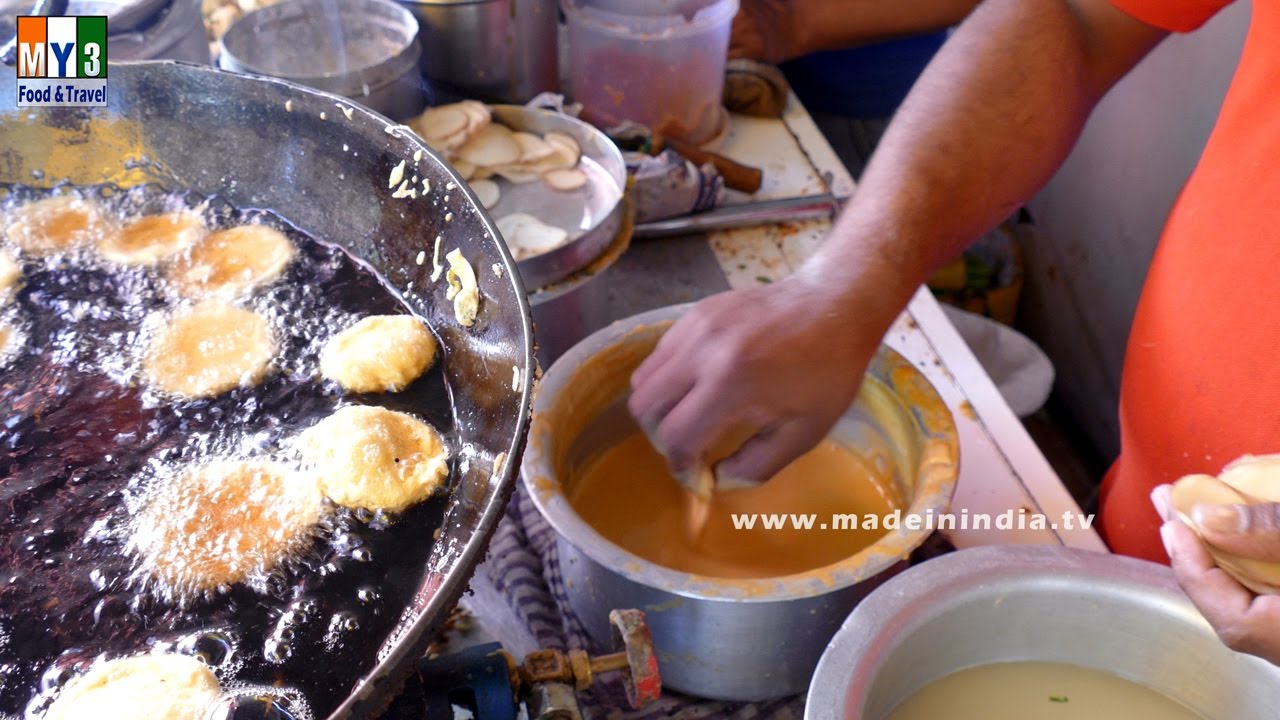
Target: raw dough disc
column 58, row 224
column 222, row 522
column 10, row 276
column 375, row 458
column 152, row 238
column 231, row 262
column 382, row 353
column 208, row 349
column 144, row 687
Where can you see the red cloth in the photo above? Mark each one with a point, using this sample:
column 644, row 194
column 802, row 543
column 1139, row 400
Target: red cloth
column 1201, row 379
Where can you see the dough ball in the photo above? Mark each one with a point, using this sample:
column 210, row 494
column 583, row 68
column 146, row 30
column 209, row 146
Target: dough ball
column 375, row 458
column 10, row 276
column 145, row 687
column 58, row 224
column 223, row 521
column 231, row 262
column 152, row 238
column 379, row 354
column 208, row 349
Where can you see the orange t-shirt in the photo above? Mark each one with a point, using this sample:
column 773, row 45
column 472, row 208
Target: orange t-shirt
column 1201, row 379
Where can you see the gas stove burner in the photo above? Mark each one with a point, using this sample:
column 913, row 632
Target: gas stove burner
column 485, row 683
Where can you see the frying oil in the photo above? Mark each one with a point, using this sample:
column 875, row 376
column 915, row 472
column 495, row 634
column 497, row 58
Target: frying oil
column 83, row 440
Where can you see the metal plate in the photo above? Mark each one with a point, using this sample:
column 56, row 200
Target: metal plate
column 264, row 144
column 592, row 215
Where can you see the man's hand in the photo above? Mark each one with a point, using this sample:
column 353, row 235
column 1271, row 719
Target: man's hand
column 782, row 362
column 1246, row 622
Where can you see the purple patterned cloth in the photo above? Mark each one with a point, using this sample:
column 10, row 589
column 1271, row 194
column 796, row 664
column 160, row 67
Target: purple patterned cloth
column 518, row 596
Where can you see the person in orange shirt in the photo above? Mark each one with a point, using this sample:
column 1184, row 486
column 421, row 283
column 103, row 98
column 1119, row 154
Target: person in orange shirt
column 987, row 124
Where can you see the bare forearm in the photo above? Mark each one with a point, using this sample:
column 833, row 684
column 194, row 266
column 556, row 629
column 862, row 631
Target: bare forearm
column 985, row 127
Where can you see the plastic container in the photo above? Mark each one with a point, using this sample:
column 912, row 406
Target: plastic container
column 659, row 63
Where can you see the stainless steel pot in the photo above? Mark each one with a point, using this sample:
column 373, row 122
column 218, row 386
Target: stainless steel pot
column 260, row 143
column 365, row 50
column 494, row 50
column 999, row 604
column 725, row 639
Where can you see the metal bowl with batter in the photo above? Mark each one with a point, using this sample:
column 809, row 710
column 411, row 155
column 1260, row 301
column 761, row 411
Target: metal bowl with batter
column 741, row 639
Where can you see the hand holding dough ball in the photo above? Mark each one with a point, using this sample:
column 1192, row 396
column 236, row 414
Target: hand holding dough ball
column 208, row 349
column 222, row 522
column 58, row 224
column 152, row 238
column 382, row 353
column 375, row 458
column 234, row 261
column 144, row 687
column 1247, row 481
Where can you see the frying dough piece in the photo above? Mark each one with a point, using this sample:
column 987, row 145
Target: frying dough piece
column 58, row 224
column 381, row 353
column 144, row 687
column 222, row 522
column 152, row 238
column 208, row 349
column 9, row 340
column 233, row 261
column 375, row 458
column 10, row 276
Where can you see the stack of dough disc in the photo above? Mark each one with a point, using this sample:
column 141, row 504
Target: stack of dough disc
column 1250, row 480
column 382, row 353
column 375, row 458
column 207, row 349
column 152, row 238
column 233, row 261
column 221, row 522
column 144, row 687
column 58, row 224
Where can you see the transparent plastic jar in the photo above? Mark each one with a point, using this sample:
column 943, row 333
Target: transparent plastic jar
column 659, row 63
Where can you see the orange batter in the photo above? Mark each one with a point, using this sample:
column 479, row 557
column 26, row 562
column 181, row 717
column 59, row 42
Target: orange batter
column 628, row 495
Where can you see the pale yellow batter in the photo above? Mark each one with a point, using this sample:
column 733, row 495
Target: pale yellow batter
column 1039, row 691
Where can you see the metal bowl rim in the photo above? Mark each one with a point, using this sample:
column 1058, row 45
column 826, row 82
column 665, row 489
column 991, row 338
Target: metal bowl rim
column 569, row 526
column 407, row 55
